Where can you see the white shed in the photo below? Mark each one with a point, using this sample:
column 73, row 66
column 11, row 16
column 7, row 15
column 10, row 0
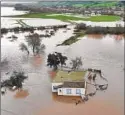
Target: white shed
column 55, row 86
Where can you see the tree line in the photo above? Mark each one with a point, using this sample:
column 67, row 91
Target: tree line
column 30, row 29
column 99, row 30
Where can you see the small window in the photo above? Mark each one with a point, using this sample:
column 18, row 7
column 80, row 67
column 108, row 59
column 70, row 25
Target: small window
column 68, row 91
column 54, row 87
column 78, row 91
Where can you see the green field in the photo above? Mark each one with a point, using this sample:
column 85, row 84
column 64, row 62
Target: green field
column 104, row 18
column 73, row 39
column 72, row 76
column 63, row 17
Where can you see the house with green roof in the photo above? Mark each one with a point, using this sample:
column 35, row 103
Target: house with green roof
column 69, row 83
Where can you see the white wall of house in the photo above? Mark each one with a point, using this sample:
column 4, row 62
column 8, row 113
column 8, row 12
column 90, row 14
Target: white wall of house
column 118, row 12
column 98, row 14
column 55, row 84
column 60, row 91
column 63, row 91
column 92, row 14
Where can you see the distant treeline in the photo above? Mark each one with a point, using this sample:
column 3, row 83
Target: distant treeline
column 105, row 30
column 100, row 30
column 30, row 29
column 78, row 3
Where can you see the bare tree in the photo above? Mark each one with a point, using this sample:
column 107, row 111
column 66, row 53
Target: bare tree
column 33, row 42
column 23, row 47
column 76, row 63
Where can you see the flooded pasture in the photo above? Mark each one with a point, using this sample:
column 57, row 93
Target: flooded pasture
column 6, row 11
column 105, row 53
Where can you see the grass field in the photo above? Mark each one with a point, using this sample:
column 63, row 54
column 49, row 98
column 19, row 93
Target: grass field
column 62, row 17
column 72, row 76
column 69, row 41
column 73, row 39
column 104, row 18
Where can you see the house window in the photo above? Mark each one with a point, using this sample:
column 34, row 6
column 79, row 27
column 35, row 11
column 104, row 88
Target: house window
column 78, row 91
column 54, row 87
column 68, row 91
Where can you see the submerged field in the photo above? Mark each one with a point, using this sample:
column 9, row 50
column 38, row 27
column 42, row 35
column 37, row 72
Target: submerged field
column 63, row 17
column 97, row 53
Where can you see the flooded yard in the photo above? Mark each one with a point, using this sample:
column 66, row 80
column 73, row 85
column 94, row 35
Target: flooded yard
column 36, row 98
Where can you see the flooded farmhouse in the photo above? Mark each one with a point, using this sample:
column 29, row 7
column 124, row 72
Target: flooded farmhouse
column 91, row 41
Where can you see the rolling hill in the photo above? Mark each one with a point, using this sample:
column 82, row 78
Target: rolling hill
column 81, row 3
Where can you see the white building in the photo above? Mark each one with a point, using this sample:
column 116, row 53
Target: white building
column 69, row 84
column 71, row 88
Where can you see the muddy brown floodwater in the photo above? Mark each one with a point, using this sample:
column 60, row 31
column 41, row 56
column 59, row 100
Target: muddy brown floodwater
column 36, row 97
column 103, row 52
column 21, row 94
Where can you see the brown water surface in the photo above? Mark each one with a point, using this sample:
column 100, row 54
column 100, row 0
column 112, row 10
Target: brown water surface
column 21, row 94
column 36, row 98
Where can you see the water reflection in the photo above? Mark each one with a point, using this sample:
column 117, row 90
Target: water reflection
column 99, row 36
column 95, row 36
column 21, row 94
column 119, row 37
column 66, row 99
column 52, row 74
column 36, row 61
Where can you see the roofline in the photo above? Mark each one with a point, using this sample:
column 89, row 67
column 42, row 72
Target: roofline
column 69, row 81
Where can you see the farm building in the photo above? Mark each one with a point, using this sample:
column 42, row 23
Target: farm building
column 69, row 83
